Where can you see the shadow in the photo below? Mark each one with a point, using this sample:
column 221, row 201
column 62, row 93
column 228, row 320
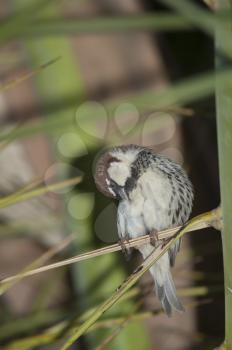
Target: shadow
column 201, row 132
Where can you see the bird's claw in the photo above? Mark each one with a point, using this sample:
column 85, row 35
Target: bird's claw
column 154, row 239
column 125, row 249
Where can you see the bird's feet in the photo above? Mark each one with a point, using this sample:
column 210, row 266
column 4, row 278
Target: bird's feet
column 125, row 249
column 154, row 239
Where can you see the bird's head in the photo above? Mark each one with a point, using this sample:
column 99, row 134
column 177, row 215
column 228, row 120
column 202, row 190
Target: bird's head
column 113, row 170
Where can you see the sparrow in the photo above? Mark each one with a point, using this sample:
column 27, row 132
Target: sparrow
column 154, row 194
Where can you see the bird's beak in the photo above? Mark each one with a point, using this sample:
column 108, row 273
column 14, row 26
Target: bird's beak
column 122, row 193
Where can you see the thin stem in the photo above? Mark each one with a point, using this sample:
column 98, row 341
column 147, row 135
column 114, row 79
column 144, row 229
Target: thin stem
column 23, row 195
column 136, row 242
column 209, row 217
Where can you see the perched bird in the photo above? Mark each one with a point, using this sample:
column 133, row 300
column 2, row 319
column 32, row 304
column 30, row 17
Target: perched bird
column 154, row 194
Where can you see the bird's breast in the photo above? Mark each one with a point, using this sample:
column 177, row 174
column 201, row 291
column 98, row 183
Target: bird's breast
column 147, row 207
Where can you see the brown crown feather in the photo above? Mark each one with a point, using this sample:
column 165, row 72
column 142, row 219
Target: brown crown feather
column 101, row 174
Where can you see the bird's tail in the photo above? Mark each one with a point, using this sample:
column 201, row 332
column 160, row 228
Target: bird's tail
column 164, row 285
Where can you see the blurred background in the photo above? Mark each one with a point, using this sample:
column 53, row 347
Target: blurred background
column 76, row 77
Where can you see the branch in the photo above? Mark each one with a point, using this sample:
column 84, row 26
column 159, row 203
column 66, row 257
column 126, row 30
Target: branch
column 207, row 218
column 136, row 242
column 24, row 194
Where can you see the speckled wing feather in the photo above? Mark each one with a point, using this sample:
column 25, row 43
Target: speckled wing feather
column 168, row 197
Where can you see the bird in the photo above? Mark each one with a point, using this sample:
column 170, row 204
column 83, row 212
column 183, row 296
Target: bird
column 154, row 193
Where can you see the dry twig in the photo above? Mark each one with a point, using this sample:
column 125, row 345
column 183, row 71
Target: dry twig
column 205, row 218
column 136, row 242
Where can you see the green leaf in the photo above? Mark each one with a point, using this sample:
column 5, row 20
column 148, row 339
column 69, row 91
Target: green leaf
column 25, row 195
column 183, row 92
column 224, row 131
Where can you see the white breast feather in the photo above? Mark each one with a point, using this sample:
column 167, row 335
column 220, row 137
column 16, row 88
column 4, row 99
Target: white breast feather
column 148, row 205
